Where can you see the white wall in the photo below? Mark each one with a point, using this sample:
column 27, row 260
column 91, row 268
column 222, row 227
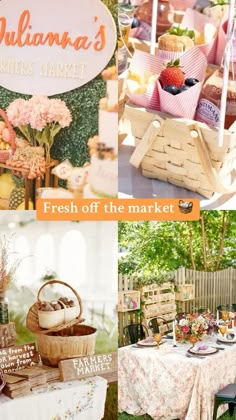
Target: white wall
column 83, row 254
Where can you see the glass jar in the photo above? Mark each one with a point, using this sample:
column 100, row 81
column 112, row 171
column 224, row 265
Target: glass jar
column 4, row 317
column 122, row 58
column 165, row 15
column 208, row 109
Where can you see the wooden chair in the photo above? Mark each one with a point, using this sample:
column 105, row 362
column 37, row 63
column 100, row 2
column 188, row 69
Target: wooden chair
column 226, row 395
column 223, row 308
column 159, row 325
column 134, row 333
column 180, row 315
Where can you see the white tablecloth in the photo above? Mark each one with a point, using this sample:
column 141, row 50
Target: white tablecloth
column 167, row 385
column 77, row 400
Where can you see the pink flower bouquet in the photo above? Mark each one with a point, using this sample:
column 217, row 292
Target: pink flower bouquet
column 39, row 119
column 193, row 325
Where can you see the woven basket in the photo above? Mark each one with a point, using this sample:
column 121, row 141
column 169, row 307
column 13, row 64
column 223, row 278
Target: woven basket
column 32, row 321
column 182, row 152
column 185, row 209
column 2, row 381
column 54, row 347
column 6, row 154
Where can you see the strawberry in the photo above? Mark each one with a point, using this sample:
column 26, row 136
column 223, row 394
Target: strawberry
column 172, row 75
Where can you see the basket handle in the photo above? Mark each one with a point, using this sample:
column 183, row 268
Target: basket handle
column 146, row 141
column 64, row 284
column 11, row 131
column 205, row 160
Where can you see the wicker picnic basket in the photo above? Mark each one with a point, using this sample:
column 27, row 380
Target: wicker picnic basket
column 32, row 319
column 185, row 207
column 74, row 341
column 2, row 381
column 6, row 154
column 71, row 339
column 182, row 152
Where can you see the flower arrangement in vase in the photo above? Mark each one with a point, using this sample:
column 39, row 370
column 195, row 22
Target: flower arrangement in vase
column 193, row 325
column 39, row 119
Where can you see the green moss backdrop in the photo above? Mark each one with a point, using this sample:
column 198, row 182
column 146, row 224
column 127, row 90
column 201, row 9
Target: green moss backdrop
column 83, row 102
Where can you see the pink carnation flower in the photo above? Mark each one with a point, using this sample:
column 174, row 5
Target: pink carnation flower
column 185, row 329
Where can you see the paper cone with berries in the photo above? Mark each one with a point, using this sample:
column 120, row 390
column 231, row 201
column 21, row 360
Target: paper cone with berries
column 205, row 32
column 141, row 80
column 180, row 84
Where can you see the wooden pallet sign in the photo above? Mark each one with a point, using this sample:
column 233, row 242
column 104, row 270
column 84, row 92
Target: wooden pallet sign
column 16, row 358
column 104, row 365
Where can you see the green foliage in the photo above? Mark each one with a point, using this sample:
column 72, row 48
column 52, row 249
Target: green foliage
column 111, row 408
column 71, row 143
column 155, row 248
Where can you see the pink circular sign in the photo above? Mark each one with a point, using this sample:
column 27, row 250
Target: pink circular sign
column 53, row 46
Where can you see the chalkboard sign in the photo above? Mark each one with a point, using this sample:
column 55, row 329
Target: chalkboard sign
column 104, row 365
column 18, row 357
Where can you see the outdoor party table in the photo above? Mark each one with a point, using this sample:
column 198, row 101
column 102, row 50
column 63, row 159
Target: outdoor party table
column 168, row 385
column 77, row 400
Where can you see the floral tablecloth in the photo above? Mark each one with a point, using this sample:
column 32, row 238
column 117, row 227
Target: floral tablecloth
column 77, row 400
column 167, row 385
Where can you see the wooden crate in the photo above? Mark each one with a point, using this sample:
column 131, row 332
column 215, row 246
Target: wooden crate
column 155, row 293
column 182, row 152
column 128, row 301
column 158, row 300
column 31, row 185
column 185, row 292
column 158, row 309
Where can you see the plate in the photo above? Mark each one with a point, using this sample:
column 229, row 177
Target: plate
column 150, row 344
column 225, row 340
column 205, row 352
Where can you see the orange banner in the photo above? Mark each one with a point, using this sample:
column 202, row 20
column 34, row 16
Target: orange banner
column 118, row 209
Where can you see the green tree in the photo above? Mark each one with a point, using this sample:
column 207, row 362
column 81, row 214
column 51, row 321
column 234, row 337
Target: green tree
column 157, row 247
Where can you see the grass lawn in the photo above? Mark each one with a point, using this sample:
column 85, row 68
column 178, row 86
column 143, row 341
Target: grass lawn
column 125, row 416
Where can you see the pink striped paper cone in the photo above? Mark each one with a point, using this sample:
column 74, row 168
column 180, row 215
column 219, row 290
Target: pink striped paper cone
column 217, row 12
column 140, row 63
column 221, row 44
column 149, row 100
column 166, row 56
column 195, row 20
column 184, row 104
column 182, row 4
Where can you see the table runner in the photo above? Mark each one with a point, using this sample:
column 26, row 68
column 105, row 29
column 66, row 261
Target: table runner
column 77, row 400
column 167, row 385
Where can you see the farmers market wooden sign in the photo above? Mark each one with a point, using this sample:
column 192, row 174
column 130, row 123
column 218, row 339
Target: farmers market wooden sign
column 53, row 46
column 104, row 365
column 18, row 357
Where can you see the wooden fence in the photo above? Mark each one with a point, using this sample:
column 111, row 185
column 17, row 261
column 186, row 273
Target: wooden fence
column 211, row 289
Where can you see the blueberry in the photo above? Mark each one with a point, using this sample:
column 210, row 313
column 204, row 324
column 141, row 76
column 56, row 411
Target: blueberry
column 172, row 89
column 191, row 81
column 135, row 23
column 183, row 88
